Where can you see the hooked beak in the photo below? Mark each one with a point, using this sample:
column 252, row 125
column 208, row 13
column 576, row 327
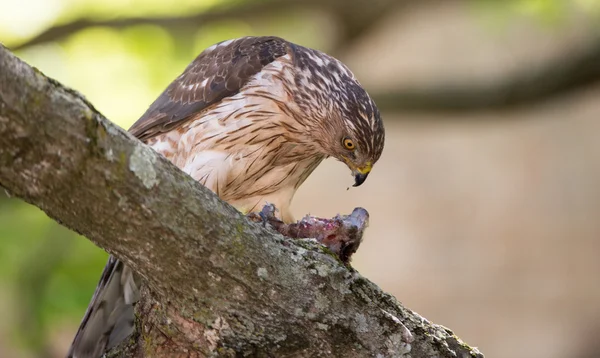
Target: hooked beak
column 361, row 174
column 360, row 178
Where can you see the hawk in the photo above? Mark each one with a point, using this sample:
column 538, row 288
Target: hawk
column 250, row 119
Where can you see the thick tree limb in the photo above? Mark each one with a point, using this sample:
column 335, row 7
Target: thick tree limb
column 216, row 284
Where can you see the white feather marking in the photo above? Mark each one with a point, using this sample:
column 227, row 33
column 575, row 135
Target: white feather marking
column 318, row 60
column 278, row 64
column 163, row 147
column 189, row 87
column 212, row 165
column 350, row 125
column 327, row 80
column 225, row 43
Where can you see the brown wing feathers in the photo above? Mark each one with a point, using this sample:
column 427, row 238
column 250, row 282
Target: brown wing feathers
column 218, row 72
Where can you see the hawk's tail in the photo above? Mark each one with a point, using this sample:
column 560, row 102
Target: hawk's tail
column 109, row 317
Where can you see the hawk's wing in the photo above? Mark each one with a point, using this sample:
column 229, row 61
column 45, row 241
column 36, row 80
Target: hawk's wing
column 219, row 71
column 108, row 319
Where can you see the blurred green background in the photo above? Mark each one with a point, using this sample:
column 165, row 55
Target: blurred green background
column 485, row 205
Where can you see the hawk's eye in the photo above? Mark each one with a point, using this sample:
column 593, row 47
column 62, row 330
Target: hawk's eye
column 348, row 144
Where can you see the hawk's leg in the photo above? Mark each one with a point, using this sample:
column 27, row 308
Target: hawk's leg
column 341, row 234
column 266, row 215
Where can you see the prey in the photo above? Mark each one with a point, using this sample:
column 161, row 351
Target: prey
column 342, row 234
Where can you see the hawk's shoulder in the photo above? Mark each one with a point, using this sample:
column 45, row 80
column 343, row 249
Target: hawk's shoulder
column 219, row 71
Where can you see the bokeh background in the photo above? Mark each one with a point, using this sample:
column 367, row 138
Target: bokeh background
column 485, row 204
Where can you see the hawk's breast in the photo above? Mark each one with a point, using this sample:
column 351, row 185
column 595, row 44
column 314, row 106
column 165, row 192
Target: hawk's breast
column 238, row 147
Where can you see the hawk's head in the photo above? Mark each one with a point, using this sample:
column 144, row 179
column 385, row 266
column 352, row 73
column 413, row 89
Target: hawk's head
column 346, row 123
column 331, row 114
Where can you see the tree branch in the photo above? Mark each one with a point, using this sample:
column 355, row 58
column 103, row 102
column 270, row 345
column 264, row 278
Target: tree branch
column 216, row 284
column 570, row 72
column 174, row 24
column 557, row 77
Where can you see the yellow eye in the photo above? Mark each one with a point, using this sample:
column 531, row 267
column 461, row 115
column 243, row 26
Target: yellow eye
column 348, row 143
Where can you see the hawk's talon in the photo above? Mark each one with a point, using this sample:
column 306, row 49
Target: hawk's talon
column 264, row 218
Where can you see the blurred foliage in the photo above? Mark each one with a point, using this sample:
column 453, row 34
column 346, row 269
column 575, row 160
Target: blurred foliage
column 18, row 22
column 47, row 273
column 553, row 13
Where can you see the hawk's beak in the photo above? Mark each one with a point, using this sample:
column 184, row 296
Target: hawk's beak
column 360, row 178
column 361, row 174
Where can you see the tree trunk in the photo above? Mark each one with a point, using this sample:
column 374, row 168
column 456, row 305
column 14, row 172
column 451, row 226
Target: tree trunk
column 215, row 283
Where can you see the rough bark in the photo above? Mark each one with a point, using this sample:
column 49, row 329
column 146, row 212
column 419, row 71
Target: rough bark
column 215, row 283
